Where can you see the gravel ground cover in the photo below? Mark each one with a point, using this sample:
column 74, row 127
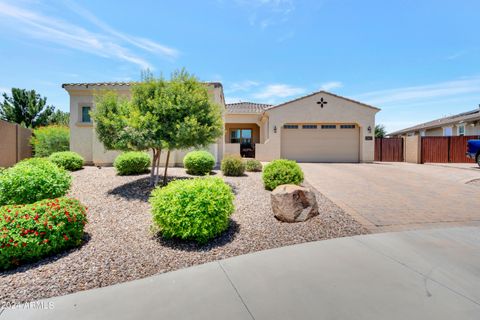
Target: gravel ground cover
column 120, row 245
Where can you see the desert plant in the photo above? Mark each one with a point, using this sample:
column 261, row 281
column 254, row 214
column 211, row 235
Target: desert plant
column 161, row 115
column 32, row 180
column 25, row 107
column 253, row 165
column 67, row 160
column 33, row 231
column 280, row 172
column 50, row 139
column 199, row 162
column 233, row 166
column 196, row 209
column 133, row 162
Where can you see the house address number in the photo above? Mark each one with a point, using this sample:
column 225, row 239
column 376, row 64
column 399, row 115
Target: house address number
column 368, row 138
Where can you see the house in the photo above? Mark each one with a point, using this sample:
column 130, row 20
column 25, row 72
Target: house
column 319, row 127
column 462, row 124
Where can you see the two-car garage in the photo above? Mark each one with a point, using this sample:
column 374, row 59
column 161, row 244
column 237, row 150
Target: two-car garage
column 319, row 127
column 320, row 142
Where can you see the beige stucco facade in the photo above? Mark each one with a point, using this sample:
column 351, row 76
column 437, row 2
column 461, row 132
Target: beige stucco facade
column 84, row 141
column 354, row 143
column 337, row 111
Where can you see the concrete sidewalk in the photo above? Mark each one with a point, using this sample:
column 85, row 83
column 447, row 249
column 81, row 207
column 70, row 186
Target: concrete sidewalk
column 428, row 274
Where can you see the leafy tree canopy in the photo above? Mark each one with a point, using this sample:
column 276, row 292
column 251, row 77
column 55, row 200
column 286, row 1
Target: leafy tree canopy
column 29, row 109
column 380, row 131
column 161, row 114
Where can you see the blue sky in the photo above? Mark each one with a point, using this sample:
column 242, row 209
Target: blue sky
column 417, row 60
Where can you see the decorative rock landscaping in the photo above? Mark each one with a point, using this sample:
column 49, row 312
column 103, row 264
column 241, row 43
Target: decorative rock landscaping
column 292, row 203
column 120, row 246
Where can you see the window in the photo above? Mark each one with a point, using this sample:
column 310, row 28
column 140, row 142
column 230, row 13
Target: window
column 447, row 131
column 309, row 126
column 461, row 130
column 347, row 126
column 329, row 126
column 86, row 114
column 290, row 126
column 241, row 136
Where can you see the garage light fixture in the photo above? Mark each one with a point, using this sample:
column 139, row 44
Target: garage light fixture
column 274, row 129
column 369, row 129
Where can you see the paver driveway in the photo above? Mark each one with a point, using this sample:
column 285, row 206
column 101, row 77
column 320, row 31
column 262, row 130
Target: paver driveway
column 399, row 196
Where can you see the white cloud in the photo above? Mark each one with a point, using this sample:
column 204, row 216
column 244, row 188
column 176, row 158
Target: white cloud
column 423, row 92
column 274, row 91
column 109, row 44
column 456, row 55
column 265, row 13
column 242, row 86
column 139, row 42
column 233, row 99
column 327, row 86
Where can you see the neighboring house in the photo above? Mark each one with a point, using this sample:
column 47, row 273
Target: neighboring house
column 319, row 127
column 462, row 124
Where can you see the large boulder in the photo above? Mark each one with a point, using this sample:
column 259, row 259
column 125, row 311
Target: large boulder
column 292, row 203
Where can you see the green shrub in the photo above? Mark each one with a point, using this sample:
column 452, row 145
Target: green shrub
column 197, row 209
column 233, row 166
column 34, row 231
column 199, row 162
column 253, row 165
column 133, row 162
column 32, row 180
column 67, row 160
column 280, row 172
column 50, row 139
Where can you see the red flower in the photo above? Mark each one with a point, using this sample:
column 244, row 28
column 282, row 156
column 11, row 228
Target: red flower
column 24, row 244
column 65, row 237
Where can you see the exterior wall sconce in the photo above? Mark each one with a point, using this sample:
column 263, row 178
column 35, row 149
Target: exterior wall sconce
column 274, row 129
column 369, row 129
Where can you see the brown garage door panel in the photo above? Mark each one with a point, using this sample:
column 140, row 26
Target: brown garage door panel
column 320, row 145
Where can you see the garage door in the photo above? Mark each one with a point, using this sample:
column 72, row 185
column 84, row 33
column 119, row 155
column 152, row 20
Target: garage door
column 320, row 142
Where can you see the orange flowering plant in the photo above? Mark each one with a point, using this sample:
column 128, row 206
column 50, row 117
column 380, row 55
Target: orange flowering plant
column 30, row 232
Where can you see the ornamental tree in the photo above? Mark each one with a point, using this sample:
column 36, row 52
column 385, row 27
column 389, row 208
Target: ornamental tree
column 25, row 107
column 160, row 115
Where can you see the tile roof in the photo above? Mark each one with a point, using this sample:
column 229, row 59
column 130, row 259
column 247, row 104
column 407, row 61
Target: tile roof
column 324, row 92
column 247, row 107
column 126, row 84
column 472, row 115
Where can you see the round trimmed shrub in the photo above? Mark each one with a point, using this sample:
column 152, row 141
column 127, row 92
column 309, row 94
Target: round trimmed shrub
column 34, row 231
column 67, row 160
column 50, row 139
column 199, row 163
column 196, row 209
column 253, row 165
column 280, row 172
column 32, row 180
column 233, row 166
column 133, row 162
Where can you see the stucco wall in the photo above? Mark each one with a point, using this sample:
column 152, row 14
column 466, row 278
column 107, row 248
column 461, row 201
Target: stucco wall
column 232, row 149
column 84, row 141
column 412, row 149
column 14, row 143
column 307, row 110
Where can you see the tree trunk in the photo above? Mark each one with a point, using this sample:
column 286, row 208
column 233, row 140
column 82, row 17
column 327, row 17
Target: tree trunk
column 158, row 167
column 166, row 168
column 154, row 162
